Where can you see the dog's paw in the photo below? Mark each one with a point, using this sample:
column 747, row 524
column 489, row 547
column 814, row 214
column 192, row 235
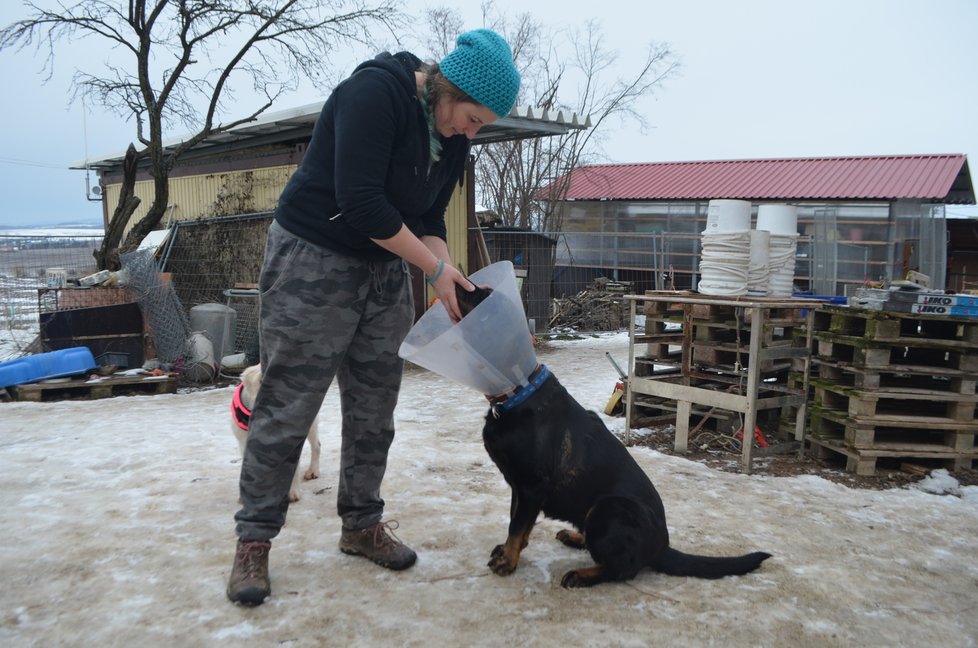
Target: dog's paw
column 574, row 578
column 293, row 496
column 500, row 563
column 310, row 474
column 572, row 539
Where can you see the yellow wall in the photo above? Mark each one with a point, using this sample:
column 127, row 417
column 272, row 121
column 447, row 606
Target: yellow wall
column 212, row 195
column 257, row 190
column 455, row 221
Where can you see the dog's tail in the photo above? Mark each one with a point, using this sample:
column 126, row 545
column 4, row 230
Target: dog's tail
column 677, row 563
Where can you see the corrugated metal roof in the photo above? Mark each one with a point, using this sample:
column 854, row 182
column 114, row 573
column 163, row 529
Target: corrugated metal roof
column 522, row 122
column 941, row 178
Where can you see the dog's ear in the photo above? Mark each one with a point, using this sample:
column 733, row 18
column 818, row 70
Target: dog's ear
column 251, row 378
column 467, row 301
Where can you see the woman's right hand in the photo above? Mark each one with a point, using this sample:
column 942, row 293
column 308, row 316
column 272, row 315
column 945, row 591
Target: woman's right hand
column 444, row 287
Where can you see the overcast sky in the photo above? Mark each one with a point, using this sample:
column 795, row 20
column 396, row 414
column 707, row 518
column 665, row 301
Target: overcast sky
column 760, row 78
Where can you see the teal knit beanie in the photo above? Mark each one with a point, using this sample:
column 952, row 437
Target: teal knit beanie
column 482, row 67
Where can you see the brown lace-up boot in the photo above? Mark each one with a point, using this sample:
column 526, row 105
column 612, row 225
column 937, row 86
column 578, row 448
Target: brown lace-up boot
column 249, row 583
column 378, row 543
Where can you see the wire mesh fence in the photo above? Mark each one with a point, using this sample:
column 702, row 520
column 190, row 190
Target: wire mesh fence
column 31, row 267
column 568, row 279
column 218, row 261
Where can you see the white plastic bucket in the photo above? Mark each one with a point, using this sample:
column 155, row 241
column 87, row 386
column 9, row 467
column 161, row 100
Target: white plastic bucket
column 724, row 263
column 758, row 270
column 727, row 216
column 200, row 365
column 778, row 219
column 782, row 249
column 219, row 322
column 490, row 350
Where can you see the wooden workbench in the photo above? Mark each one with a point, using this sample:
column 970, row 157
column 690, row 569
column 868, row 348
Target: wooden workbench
column 703, row 354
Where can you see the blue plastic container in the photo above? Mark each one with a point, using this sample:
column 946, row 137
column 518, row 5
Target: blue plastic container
column 43, row 366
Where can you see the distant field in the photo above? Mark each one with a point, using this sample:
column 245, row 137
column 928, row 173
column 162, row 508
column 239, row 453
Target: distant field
column 77, row 261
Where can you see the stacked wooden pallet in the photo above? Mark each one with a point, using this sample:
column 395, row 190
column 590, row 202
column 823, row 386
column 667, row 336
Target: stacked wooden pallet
column 721, row 336
column 894, row 385
column 91, row 389
column 707, row 345
column 664, row 337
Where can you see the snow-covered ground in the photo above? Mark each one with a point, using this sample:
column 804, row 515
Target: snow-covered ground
column 119, row 532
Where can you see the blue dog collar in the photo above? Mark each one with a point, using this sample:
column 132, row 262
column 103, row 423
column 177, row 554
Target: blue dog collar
column 521, row 393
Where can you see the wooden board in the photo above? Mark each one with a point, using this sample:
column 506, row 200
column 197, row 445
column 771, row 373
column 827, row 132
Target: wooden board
column 90, row 390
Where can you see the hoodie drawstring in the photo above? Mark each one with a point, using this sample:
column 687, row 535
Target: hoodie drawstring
column 375, row 279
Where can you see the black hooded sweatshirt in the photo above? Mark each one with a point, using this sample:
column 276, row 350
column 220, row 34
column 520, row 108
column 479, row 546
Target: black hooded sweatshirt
column 366, row 171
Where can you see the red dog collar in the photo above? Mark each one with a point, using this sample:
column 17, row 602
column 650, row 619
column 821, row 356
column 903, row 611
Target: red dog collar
column 240, row 413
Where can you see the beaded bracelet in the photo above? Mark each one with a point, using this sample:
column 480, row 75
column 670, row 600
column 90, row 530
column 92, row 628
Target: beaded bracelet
column 433, row 278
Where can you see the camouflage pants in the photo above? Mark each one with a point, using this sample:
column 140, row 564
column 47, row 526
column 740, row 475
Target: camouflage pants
column 323, row 315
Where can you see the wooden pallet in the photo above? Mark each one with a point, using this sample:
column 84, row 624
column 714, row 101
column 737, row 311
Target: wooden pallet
column 864, row 431
column 864, row 439
column 863, row 461
column 923, row 355
column 905, row 403
column 906, row 328
column 718, row 334
column 894, row 385
column 652, row 366
column 666, row 308
column 896, row 377
column 83, row 389
column 729, row 357
column 885, row 339
column 733, row 316
column 665, row 345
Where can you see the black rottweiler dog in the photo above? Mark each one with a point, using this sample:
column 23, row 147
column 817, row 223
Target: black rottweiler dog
column 561, row 459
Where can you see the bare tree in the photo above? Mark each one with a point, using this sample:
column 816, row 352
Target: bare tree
column 178, row 62
column 445, row 25
column 606, row 102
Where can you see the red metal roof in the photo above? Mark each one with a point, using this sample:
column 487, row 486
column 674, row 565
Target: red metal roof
column 940, row 178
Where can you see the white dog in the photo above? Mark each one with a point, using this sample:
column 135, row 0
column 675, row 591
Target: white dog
column 241, row 405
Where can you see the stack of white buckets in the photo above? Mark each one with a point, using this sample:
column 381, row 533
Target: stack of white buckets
column 737, row 260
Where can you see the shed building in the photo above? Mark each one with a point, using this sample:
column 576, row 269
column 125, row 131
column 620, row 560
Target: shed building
column 861, row 219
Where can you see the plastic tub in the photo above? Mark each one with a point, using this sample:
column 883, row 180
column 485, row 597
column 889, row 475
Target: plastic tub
column 724, row 216
column 780, row 220
column 44, row 366
column 759, row 269
column 490, row 350
column 201, row 366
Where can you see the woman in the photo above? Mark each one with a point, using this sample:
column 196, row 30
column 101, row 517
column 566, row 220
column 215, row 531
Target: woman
column 369, row 198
